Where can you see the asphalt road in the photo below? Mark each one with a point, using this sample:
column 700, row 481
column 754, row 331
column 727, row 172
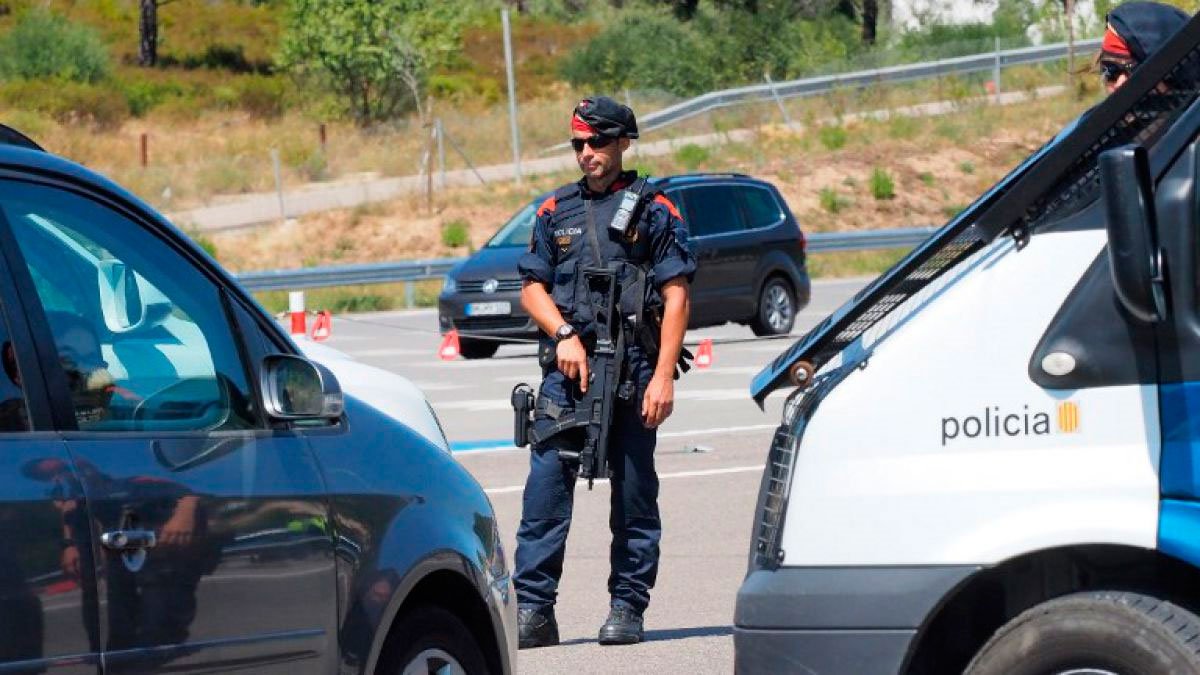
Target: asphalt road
column 709, row 459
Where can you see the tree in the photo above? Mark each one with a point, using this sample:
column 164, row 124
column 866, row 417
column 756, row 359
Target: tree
column 148, row 31
column 365, row 50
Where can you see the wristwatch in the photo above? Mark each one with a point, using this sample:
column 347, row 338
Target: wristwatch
column 564, row 331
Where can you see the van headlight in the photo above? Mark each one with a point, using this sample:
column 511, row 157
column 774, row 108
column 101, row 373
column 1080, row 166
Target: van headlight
column 449, row 285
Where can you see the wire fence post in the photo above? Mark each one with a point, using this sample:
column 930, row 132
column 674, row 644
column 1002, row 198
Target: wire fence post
column 512, row 94
column 775, row 93
column 278, row 182
column 145, row 149
column 441, row 150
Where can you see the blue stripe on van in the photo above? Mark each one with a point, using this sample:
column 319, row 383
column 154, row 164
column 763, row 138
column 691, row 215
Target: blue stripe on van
column 1179, row 471
column 1179, row 530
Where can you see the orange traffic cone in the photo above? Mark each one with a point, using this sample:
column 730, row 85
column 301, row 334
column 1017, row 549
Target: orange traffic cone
column 704, row 355
column 323, row 326
column 449, row 349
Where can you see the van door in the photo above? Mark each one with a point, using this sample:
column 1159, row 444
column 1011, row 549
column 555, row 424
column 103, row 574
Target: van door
column 48, row 621
column 214, row 549
column 1178, row 342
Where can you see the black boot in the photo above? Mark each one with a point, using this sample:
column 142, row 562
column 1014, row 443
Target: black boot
column 623, row 627
column 536, row 627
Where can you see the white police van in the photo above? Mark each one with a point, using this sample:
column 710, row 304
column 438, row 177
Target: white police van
column 991, row 463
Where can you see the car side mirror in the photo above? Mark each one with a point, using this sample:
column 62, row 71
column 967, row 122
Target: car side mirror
column 129, row 302
column 1133, row 252
column 295, row 388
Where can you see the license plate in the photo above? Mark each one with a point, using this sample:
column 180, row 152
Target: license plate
column 489, row 308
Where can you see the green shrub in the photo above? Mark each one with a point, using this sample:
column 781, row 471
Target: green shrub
column 926, row 178
column 141, row 96
column 691, row 156
column 951, row 210
column 833, row 138
column 677, row 62
column 44, row 45
column 260, row 95
column 102, row 106
column 454, row 233
column 882, row 185
column 902, row 127
column 831, row 201
column 967, row 167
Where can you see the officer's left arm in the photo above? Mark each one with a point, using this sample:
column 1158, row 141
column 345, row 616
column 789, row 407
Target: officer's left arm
column 674, row 265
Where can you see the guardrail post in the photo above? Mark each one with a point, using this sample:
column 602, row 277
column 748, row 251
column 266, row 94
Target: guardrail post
column 996, row 71
column 409, row 295
column 775, row 92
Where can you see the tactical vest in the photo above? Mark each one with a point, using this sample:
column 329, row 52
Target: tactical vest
column 582, row 237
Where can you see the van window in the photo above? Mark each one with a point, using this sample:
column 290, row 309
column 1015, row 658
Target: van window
column 141, row 334
column 762, row 209
column 713, row 209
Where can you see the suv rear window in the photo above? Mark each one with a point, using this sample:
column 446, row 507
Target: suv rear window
column 713, row 210
column 762, row 209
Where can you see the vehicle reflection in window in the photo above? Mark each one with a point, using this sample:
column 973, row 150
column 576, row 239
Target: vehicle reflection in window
column 165, row 345
column 150, row 598
column 14, row 416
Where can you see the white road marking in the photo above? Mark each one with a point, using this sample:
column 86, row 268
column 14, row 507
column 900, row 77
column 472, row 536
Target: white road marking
column 509, row 489
column 390, row 351
column 501, row 447
column 682, row 394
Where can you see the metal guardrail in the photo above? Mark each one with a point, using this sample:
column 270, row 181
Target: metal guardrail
column 417, row 270
column 813, row 86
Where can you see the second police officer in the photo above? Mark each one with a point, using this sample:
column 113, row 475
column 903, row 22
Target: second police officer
column 571, row 225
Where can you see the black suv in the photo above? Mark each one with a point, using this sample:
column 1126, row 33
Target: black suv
column 181, row 491
column 747, row 243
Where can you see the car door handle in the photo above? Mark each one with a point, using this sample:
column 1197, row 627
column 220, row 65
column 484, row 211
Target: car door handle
column 128, row 540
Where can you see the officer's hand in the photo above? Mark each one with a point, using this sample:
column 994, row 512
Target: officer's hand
column 659, row 401
column 572, row 361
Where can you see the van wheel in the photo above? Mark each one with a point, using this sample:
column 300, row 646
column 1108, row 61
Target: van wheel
column 1097, row 633
column 432, row 640
column 776, row 308
column 477, row 349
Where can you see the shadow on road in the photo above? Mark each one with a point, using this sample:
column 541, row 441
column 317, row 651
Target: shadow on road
column 668, row 634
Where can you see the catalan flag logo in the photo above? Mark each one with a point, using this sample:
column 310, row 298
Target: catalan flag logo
column 1068, row 417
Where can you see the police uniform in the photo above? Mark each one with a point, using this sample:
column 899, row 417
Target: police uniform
column 560, row 245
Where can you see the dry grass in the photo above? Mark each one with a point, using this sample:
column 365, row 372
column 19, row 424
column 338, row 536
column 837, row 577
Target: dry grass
column 926, row 159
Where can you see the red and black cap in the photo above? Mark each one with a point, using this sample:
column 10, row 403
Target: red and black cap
column 1137, row 29
column 602, row 116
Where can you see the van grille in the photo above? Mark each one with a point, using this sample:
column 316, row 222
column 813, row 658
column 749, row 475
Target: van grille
column 781, row 461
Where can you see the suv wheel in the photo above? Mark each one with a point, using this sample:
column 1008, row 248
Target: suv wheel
column 1100, row 632
column 477, row 349
column 432, row 640
column 776, row 308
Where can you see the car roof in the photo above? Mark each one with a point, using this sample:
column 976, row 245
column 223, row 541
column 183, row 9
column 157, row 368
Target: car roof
column 685, row 179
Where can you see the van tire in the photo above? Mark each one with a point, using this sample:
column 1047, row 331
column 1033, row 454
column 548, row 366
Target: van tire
column 1105, row 631
column 432, row 635
column 477, row 349
column 775, row 308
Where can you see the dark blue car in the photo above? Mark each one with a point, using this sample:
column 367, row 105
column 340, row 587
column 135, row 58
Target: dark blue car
column 748, row 245
column 181, row 491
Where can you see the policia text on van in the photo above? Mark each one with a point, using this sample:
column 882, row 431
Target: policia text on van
column 880, row 547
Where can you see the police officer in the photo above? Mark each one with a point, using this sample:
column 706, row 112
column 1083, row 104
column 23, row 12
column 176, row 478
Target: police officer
column 1133, row 32
column 573, row 230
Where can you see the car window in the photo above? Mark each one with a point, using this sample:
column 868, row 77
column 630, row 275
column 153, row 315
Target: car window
column 14, row 411
column 762, row 209
column 517, row 231
column 712, row 209
column 142, row 335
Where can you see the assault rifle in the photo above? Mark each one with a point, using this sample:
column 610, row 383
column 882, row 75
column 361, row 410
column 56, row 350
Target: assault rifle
column 594, row 410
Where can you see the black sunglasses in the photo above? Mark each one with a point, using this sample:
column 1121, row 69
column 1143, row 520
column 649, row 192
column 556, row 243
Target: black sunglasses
column 1111, row 71
column 593, row 142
